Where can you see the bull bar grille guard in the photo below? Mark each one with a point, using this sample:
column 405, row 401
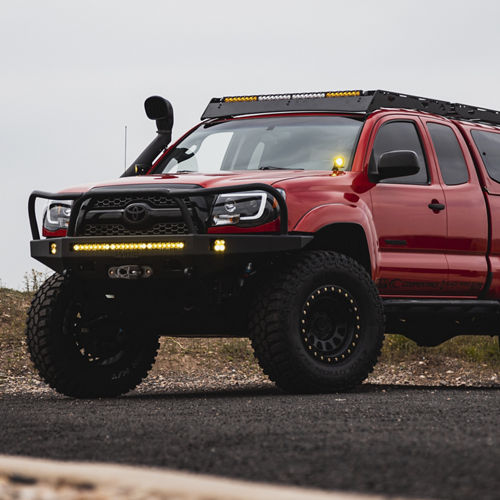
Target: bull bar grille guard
column 77, row 214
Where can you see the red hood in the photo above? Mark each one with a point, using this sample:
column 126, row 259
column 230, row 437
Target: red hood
column 205, row 180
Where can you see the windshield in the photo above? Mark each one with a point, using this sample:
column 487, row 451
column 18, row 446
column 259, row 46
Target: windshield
column 286, row 142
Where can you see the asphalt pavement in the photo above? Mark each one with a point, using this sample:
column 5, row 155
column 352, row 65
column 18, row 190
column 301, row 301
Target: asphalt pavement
column 431, row 442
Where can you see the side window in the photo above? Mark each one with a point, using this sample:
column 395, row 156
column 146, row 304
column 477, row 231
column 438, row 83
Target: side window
column 488, row 144
column 449, row 154
column 400, row 136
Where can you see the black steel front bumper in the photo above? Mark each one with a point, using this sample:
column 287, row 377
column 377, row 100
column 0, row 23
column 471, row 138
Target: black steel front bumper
column 98, row 252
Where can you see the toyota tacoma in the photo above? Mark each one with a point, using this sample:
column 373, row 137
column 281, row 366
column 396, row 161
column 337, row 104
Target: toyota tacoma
column 310, row 223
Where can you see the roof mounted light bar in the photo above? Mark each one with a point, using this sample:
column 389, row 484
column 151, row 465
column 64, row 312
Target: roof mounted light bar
column 349, row 101
column 287, row 97
column 345, row 101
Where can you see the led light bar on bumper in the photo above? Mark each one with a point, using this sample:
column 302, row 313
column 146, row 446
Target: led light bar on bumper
column 119, row 247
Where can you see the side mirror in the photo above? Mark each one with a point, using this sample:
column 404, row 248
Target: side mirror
column 159, row 109
column 397, row 164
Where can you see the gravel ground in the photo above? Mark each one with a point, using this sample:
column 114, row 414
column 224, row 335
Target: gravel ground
column 447, row 372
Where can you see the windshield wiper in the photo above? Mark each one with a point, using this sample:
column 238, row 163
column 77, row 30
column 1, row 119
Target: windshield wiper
column 270, row 167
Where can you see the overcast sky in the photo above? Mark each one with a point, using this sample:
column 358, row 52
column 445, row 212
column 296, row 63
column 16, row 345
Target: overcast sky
column 74, row 73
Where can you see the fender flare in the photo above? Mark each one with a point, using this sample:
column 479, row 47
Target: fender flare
column 340, row 213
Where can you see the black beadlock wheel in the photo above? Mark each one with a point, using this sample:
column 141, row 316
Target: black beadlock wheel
column 82, row 353
column 330, row 324
column 317, row 325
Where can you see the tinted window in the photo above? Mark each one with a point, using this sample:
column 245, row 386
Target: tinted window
column 488, row 144
column 400, row 136
column 450, row 157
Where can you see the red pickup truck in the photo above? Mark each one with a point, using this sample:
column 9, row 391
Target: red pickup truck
column 310, row 223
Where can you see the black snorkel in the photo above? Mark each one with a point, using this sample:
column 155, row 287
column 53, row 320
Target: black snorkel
column 159, row 109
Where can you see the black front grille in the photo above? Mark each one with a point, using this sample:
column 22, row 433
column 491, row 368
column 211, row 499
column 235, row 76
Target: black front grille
column 104, row 216
column 121, row 201
column 120, row 230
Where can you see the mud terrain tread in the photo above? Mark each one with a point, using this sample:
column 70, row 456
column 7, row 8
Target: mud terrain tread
column 44, row 317
column 271, row 306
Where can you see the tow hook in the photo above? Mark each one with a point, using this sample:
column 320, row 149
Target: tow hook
column 130, row 272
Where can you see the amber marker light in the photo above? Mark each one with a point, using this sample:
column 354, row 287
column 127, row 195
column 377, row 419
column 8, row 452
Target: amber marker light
column 219, row 246
column 136, row 246
column 240, row 98
column 345, row 93
column 339, row 162
column 53, row 248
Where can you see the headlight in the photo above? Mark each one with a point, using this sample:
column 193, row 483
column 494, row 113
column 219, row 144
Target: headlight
column 251, row 208
column 56, row 217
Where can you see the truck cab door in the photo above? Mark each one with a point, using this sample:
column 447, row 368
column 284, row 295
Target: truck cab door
column 408, row 214
column 467, row 219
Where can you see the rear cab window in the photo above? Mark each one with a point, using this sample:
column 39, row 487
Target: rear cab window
column 488, row 146
column 483, row 143
column 449, row 154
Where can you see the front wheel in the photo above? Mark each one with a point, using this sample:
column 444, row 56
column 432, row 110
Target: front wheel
column 79, row 345
column 317, row 325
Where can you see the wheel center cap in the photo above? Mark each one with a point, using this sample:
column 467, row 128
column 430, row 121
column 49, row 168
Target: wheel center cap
column 330, row 324
column 322, row 325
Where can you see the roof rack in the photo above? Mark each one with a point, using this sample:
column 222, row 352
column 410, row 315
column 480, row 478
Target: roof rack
column 349, row 101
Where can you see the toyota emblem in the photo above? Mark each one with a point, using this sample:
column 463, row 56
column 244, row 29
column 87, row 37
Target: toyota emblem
column 135, row 213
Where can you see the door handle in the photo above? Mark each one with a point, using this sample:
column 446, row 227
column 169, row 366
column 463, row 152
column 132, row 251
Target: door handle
column 437, row 207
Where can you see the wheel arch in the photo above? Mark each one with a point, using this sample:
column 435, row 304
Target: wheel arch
column 344, row 237
column 347, row 229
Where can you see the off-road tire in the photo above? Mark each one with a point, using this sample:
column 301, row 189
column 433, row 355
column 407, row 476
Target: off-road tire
column 325, row 292
column 59, row 359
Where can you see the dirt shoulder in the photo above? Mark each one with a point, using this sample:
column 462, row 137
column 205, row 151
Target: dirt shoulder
column 191, row 364
column 186, row 365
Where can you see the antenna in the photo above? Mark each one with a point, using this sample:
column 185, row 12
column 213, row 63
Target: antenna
column 125, row 160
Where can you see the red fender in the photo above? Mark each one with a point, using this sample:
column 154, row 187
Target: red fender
column 326, row 215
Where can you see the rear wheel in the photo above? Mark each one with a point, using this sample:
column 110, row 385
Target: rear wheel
column 317, row 325
column 84, row 351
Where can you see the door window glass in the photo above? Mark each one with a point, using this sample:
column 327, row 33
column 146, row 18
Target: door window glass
column 449, row 154
column 400, row 136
